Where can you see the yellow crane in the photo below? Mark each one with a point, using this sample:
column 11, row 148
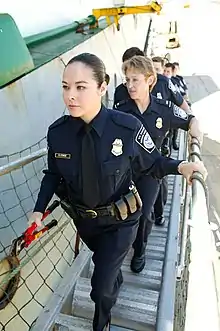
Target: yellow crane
column 116, row 12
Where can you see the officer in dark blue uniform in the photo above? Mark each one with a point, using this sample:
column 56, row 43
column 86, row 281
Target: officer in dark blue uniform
column 165, row 89
column 181, row 79
column 158, row 116
column 93, row 152
column 121, row 92
column 182, row 82
column 169, row 72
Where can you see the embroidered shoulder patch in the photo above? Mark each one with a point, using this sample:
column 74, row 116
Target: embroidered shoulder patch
column 144, row 140
column 178, row 112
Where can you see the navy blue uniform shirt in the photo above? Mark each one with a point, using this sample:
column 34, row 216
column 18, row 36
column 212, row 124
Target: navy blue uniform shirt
column 121, row 142
column 165, row 89
column 159, row 117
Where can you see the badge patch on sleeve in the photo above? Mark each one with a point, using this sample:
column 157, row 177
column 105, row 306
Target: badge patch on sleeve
column 172, row 86
column 144, row 140
column 178, row 112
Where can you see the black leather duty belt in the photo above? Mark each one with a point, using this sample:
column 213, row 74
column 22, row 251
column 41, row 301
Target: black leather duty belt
column 94, row 213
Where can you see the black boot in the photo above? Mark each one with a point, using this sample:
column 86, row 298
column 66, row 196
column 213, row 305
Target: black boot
column 138, row 263
column 140, row 244
column 159, row 221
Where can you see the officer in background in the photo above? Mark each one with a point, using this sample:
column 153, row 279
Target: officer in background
column 158, row 116
column 121, row 92
column 169, row 72
column 165, row 89
column 162, row 89
column 182, row 81
column 94, row 151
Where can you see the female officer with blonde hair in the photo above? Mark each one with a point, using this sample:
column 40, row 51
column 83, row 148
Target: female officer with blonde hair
column 158, row 116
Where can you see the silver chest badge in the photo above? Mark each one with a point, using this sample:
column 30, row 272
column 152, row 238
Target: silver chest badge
column 159, row 123
column 117, row 147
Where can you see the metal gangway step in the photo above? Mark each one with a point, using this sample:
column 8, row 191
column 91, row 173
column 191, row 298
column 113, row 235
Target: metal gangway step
column 137, row 304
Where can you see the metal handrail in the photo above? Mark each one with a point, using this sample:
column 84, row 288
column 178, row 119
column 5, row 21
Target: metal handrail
column 183, row 235
column 14, row 165
column 195, row 210
column 165, row 312
column 189, row 197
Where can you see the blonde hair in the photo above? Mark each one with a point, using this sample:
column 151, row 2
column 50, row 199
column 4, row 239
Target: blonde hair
column 142, row 64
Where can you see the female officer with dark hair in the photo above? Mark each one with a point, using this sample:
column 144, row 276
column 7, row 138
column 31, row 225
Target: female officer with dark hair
column 94, row 150
column 158, row 117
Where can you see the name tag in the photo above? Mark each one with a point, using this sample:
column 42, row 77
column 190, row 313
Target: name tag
column 62, row 156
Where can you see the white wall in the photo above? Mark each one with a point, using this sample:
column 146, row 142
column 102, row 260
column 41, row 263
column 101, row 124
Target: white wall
column 41, row 15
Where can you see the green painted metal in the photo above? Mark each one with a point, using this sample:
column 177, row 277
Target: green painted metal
column 57, row 32
column 46, row 51
column 15, row 59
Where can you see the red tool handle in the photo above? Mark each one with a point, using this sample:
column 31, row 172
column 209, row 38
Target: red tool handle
column 37, row 234
column 30, row 230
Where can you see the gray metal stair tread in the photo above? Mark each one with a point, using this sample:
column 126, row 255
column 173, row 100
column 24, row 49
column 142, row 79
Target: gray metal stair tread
column 153, row 255
column 72, row 323
column 160, row 229
column 152, row 265
column 133, row 305
column 157, row 233
column 152, row 252
column 150, row 277
column 156, row 240
column 141, row 281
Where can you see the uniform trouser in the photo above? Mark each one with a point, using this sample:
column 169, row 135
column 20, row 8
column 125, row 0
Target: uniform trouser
column 147, row 187
column 110, row 243
column 161, row 199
